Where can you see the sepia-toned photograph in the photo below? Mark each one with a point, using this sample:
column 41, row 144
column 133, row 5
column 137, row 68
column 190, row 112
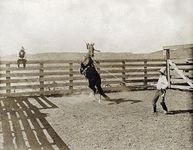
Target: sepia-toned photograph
column 96, row 75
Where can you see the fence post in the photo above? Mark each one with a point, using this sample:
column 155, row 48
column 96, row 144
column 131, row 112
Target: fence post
column 71, row 78
column 123, row 72
column 41, row 77
column 145, row 73
column 168, row 66
column 8, row 77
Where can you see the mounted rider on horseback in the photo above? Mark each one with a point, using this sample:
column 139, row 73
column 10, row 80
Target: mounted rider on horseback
column 22, row 59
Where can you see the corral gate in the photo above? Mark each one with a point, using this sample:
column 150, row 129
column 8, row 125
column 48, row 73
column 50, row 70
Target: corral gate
column 179, row 70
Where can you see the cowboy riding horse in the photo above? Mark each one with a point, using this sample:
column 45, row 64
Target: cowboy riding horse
column 22, row 59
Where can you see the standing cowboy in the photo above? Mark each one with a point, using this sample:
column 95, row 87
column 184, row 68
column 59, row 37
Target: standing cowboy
column 161, row 86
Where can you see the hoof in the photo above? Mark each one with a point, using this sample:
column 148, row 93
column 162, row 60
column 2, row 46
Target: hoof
column 107, row 98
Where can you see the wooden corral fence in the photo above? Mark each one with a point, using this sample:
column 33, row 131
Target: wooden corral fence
column 63, row 76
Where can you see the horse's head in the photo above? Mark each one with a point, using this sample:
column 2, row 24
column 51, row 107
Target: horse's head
column 90, row 47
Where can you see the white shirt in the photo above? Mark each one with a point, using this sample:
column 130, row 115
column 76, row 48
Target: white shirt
column 162, row 82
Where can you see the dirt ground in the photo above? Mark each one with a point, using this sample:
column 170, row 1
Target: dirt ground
column 78, row 123
column 125, row 123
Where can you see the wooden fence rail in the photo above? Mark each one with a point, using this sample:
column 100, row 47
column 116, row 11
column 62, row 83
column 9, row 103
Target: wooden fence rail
column 63, row 76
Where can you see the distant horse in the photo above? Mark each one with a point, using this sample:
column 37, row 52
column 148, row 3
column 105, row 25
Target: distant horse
column 88, row 69
column 21, row 61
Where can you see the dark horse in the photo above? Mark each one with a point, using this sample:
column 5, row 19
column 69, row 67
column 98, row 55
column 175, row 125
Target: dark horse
column 94, row 79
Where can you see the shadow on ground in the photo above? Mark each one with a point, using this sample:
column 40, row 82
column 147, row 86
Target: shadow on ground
column 174, row 112
column 25, row 127
column 123, row 100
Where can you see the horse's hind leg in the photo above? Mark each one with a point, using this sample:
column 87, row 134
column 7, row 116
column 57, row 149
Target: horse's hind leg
column 101, row 92
column 92, row 86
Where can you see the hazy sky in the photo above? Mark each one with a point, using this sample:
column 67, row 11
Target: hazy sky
column 113, row 25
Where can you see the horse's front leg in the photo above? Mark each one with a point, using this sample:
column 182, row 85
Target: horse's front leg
column 24, row 63
column 18, row 63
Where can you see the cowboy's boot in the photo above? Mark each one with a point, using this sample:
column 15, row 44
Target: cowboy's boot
column 154, row 109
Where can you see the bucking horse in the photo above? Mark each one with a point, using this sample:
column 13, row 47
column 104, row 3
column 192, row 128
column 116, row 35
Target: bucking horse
column 88, row 69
